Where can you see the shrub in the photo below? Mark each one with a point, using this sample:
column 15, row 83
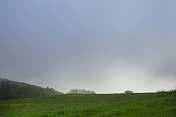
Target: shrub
column 128, row 92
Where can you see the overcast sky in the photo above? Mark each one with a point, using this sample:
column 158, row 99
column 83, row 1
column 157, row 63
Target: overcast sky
column 103, row 45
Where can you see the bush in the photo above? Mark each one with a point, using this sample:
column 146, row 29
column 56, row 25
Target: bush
column 80, row 91
column 128, row 92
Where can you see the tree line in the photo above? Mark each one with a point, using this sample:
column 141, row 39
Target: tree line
column 13, row 91
column 80, row 91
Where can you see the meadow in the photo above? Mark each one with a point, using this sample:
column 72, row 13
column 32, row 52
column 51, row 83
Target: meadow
column 161, row 104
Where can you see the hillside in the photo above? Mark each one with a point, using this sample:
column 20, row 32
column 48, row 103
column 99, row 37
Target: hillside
column 161, row 104
column 14, row 82
column 13, row 90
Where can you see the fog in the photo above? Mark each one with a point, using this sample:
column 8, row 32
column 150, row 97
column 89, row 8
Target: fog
column 105, row 46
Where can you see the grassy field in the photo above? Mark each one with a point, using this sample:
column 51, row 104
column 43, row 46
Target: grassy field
column 100, row 105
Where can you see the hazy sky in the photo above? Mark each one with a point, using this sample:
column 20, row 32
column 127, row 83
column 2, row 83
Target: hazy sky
column 104, row 45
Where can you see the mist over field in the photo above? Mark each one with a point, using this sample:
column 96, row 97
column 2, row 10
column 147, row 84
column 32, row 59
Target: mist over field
column 105, row 46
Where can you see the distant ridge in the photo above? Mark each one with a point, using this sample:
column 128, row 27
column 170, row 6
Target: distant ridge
column 14, row 82
column 12, row 90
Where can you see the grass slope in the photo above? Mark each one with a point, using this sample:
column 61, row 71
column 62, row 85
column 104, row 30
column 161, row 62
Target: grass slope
column 98, row 105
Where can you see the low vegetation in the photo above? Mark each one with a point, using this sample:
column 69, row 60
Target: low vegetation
column 161, row 104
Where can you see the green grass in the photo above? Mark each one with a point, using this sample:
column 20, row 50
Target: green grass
column 100, row 105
